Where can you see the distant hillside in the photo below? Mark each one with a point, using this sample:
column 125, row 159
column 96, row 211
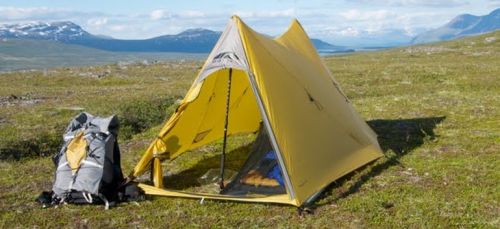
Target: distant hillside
column 462, row 25
column 325, row 47
column 16, row 54
column 190, row 41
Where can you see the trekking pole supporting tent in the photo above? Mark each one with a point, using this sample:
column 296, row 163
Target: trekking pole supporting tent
column 223, row 155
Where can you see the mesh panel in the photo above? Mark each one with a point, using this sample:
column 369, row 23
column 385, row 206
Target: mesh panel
column 253, row 177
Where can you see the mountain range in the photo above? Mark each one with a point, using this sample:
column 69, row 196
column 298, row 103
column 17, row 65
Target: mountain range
column 460, row 26
column 189, row 41
column 202, row 40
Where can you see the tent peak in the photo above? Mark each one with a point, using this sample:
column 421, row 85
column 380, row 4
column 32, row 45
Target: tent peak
column 293, row 24
column 236, row 17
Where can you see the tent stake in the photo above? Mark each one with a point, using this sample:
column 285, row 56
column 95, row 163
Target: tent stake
column 226, row 121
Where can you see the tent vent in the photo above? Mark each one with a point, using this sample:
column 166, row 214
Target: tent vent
column 211, row 97
column 200, row 136
column 312, row 100
column 225, row 56
column 310, row 97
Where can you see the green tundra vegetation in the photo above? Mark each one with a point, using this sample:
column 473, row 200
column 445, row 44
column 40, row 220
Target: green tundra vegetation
column 434, row 107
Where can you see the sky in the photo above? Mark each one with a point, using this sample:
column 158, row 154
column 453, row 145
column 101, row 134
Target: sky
column 338, row 22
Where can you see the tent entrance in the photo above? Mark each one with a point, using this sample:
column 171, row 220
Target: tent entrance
column 251, row 168
column 228, row 114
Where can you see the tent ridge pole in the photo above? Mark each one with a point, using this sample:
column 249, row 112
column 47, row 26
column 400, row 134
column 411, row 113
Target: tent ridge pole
column 226, row 122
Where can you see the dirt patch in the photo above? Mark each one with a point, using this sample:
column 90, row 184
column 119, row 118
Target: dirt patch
column 427, row 49
column 95, row 74
column 489, row 39
column 411, row 175
column 15, row 100
column 133, row 146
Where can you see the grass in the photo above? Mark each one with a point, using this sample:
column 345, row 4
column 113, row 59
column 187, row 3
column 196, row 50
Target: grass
column 434, row 107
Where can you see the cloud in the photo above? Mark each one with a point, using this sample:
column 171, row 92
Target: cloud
column 181, row 20
column 159, row 14
column 118, row 28
column 193, row 14
column 494, row 3
column 15, row 14
column 349, row 32
column 372, row 27
column 413, row 3
column 266, row 14
column 356, row 15
column 97, row 21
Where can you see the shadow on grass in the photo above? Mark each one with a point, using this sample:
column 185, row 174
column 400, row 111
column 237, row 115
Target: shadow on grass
column 188, row 178
column 401, row 136
column 44, row 144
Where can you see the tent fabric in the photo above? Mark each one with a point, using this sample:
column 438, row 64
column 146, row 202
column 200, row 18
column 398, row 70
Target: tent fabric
column 316, row 133
column 278, row 199
column 227, row 53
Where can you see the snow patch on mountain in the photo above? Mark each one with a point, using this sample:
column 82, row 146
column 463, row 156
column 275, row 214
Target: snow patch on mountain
column 57, row 31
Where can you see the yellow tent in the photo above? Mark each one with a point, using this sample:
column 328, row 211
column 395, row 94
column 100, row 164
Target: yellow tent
column 251, row 78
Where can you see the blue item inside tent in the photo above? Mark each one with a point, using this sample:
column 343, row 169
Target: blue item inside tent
column 275, row 172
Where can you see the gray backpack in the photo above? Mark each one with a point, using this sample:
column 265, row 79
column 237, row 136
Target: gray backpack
column 88, row 165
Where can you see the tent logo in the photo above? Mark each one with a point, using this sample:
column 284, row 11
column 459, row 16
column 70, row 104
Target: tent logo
column 225, row 56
